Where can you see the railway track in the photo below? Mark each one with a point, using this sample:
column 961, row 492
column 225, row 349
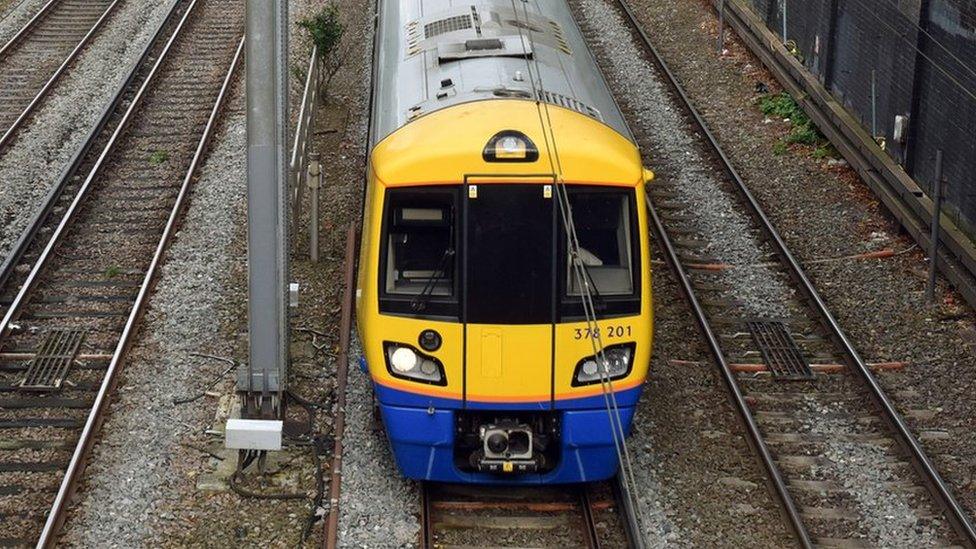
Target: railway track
column 75, row 287
column 472, row 516
column 841, row 460
column 40, row 53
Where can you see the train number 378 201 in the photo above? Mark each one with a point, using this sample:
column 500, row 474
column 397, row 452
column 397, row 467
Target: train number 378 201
column 609, row 332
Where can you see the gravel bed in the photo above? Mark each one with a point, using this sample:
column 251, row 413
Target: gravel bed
column 379, row 507
column 824, row 210
column 185, row 493
column 864, row 469
column 142, row 435
column 16, row 14
column 691, row 460
column 45, row 145
column 716, row 218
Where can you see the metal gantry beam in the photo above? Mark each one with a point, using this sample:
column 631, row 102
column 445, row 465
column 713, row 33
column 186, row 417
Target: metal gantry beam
column 263, row 380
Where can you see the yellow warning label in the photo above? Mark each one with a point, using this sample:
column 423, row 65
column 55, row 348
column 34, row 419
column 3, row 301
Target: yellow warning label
column 472, row 191
column 547, row 191
column 508, row 466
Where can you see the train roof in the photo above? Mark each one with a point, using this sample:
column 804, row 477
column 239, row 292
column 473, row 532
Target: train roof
column 435, row 54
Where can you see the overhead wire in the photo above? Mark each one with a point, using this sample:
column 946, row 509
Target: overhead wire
column 582, row 280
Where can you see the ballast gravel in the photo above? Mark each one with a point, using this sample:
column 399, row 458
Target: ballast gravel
column 379, row 508
column 31, row 165
column 864, row 470
column 172, row 489
column 696, row 477
column 130, row 478
column 718, row 222
column 16, row 14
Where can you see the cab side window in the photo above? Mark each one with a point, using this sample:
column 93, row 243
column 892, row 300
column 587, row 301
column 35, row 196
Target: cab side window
column 604, row 228
column 420, row 241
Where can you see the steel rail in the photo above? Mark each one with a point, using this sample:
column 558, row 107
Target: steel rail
column 573, row 501
column 50, row 200
column 589, row 526
column 83, row 447
column 426, row 525
column 922, row 463
column 635, row 537
column 728, row 376
column 76, row 465
column 25, row 289
column 29, row 26
column 755, row 437
column 342, row 374
column 46, row 88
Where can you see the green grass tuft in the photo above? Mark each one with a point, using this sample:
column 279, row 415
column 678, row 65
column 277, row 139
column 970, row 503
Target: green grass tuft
column 802, row 132
column 158, row 157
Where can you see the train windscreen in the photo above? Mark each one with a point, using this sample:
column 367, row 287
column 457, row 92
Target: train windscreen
column 501, row 250
column 509, row 255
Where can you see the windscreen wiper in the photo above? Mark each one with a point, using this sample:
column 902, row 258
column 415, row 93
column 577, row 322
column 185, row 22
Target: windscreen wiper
column 420, row 302
column 598, row 302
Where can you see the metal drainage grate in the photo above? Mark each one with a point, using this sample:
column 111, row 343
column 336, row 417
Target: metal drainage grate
column 779, row 350
column 49, row 368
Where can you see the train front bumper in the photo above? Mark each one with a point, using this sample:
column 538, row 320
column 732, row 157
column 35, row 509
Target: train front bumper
column 423, row 441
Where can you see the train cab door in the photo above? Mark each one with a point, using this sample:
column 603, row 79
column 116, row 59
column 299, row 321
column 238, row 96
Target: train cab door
column 508, row 294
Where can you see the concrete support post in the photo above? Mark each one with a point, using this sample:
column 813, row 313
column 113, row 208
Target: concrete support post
column 831, row 45
column 921, row 57
column 263, row 381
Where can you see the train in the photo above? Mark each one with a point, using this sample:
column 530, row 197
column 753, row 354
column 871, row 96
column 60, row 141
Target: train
column 503, row 297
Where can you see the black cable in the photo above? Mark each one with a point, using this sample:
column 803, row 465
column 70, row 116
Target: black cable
column 244, row 492
column 216, row 380
column 317, row 447
column 306, row 402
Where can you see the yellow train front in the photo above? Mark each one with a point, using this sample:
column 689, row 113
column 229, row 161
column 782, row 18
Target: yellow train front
column 470, row 311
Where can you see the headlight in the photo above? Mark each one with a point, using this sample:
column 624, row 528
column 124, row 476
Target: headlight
column 619, row 360
column 405, row 362
column 403, row 359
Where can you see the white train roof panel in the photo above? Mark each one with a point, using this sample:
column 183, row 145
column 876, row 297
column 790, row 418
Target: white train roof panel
column 433, row 54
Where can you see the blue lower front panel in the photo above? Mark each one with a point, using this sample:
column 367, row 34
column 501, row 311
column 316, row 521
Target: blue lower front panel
column 423, row 445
